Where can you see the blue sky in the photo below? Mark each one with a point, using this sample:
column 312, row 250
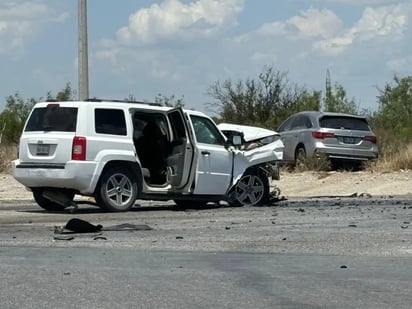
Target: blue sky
column 173, row 47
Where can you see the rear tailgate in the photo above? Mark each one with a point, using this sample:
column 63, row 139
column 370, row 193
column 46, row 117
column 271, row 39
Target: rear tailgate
column 48, row 136
column 347, row 132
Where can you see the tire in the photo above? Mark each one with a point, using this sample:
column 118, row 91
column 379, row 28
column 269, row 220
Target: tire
column 252, row 189
column 300, row 157
column 117, row 190
column 190, row 203
column 46, row 203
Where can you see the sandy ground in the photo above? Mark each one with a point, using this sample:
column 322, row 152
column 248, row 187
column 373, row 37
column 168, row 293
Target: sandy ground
column 311, row 184
column 307, row 184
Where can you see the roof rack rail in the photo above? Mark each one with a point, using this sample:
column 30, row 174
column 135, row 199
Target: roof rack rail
column 122, row 101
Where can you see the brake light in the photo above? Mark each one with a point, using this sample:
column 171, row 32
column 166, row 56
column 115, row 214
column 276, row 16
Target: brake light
column 322, row 135
column 370, row 138
column 79, row 148
column 53, row 105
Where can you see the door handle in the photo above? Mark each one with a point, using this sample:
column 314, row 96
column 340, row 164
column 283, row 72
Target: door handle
column 205, row 153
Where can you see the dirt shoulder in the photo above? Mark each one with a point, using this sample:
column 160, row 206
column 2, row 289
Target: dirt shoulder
column 309, row 184
column 306, row 184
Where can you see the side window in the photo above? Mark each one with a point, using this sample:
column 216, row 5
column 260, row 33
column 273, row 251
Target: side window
column 301, row 122
column 206, row 132
column 286, row 126
column 177, row 125
column 110, row 121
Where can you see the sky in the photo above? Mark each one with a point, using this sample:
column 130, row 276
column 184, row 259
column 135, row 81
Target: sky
column 181, row 47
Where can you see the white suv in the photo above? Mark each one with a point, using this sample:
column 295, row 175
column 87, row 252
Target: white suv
column 118, row 151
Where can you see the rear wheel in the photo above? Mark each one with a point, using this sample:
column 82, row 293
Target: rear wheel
column 117, row 190
column 251, row 189
column 47, row 204
column 300, row 156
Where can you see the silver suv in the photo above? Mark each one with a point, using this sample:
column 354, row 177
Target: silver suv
column 342, row 137
column 117, row 152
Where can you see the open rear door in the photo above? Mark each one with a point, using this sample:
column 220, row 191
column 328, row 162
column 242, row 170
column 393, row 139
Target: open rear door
column 180, row 161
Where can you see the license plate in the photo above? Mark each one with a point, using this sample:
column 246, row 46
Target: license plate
column 349, row 140
column 43, row 150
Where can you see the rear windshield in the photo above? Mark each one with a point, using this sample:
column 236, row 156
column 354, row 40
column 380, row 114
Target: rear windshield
column 54, row 118
column 348, row 123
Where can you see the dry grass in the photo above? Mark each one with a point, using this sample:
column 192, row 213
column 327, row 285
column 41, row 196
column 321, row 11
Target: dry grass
column 394, row 157
column 318, row 163
column 7, row 154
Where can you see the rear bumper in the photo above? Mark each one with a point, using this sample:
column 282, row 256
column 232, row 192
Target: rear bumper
column 78, row 175
column 345, row 154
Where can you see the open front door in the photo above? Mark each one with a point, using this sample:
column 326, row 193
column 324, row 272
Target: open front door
column 180, row 161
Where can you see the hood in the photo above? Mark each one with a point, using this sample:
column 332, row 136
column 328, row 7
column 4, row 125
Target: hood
column 249, row 133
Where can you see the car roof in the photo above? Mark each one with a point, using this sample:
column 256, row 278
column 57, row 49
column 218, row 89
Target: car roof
column 319, row 114
column 118, row 103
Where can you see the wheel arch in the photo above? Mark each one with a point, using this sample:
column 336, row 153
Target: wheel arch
column 133, row 166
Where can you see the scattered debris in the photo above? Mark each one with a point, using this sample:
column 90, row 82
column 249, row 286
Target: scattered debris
column 78, row 226
column 99, row 238
column 61, row 237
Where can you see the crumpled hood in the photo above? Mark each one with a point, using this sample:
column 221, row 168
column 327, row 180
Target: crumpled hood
column 249, row 133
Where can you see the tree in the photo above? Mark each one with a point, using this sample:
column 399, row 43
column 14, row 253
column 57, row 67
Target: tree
column 170, row 101
column 66, row 94
column 395, row 109
column 17, row 109
column 14, row 116
column 335, row 99
column 265, row 101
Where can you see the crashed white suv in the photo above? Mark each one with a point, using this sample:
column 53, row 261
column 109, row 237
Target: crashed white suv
column 118, row 151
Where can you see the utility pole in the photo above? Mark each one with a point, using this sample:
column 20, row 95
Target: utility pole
column 83, row 63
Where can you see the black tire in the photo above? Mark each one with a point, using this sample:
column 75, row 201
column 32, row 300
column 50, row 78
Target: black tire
column 251, row 189
column 300, row 156
column 117, row 189
column 46, row 203
column 190, row 203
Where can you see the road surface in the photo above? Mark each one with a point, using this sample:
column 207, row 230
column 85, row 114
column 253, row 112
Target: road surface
column 330, row 252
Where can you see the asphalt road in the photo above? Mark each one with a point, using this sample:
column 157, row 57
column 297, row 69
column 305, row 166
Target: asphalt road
column 299, row 253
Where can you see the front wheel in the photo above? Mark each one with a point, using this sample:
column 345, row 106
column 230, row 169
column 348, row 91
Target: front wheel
column 251, row 189
column 117, row 190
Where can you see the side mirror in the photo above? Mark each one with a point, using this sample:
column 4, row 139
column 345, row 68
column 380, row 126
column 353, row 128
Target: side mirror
column 237, row 140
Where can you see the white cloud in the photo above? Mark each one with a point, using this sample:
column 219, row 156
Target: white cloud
column 364, row 2
column 310, row 23
column 174, row 20
column 21, row 20
column 381, row 24
column 316, row 23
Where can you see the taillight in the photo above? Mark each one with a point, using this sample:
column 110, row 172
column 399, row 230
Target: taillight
column 322, row 135
column 370, row 138
column 79, row 148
